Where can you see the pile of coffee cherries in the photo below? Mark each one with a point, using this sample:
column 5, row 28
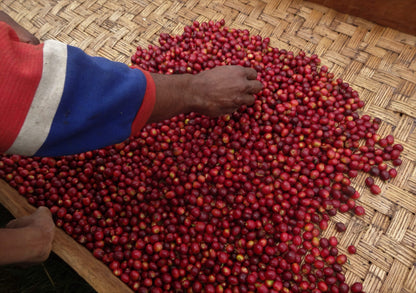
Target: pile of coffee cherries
column 229, row 204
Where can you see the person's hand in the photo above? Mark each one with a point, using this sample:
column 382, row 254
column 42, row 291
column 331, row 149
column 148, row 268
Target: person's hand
column 29, row 238
column 224, row 89
column 213, row 92
column 22, row 33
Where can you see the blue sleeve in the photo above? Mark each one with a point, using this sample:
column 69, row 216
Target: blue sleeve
column 98, row 105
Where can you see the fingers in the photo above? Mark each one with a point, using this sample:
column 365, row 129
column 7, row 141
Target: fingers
column 19, row 222
column 12, row 224
column 251, row 73
column 254, row 85
column 246, row 99
column 42, row 217
column 41, row 212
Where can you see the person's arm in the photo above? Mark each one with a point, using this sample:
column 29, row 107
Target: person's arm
column 27, row 240
column 57, row 100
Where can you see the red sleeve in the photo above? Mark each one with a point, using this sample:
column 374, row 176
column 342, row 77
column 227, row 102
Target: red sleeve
column 147, row 105
column 21, row 71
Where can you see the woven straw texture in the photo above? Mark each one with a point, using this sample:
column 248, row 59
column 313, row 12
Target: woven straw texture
column 378, row 62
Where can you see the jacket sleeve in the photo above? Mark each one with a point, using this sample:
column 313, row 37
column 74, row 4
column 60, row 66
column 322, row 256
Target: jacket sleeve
column 56, row 100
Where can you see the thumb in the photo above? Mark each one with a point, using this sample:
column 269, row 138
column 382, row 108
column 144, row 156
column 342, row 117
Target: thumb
column 20, row 222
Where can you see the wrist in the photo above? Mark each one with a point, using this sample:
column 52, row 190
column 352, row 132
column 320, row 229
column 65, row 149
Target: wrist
column 191, row 94
column 197, row 94
column 174, row 95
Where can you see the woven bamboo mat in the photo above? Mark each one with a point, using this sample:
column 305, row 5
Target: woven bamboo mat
column 379, row 62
